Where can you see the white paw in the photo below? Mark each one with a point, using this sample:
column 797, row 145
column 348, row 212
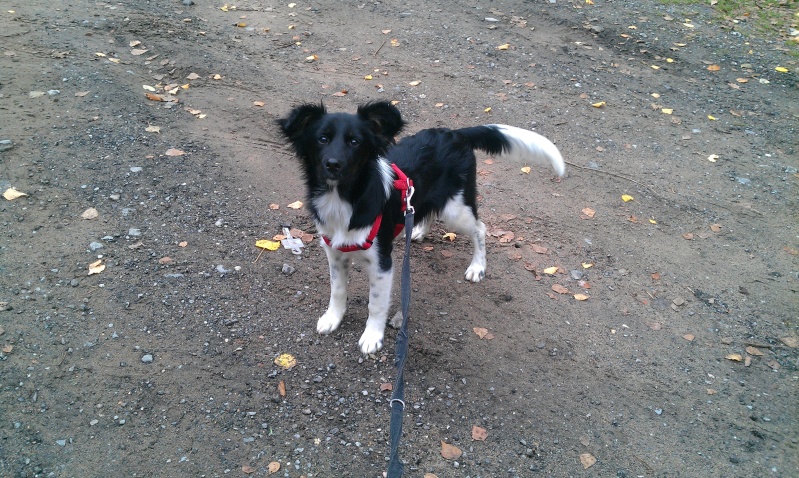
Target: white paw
column 475, row 273
column 371, row 341
column 419, row 232
column 328, row 323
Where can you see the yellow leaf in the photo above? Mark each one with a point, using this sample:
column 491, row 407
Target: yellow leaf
column 415, row 83
column 96, row 267
column 587, row 265
column 526, row 170
column 295, row 205
column 713, row 68
column 626, row 198
column 504, row 47
column 11, row 194
column 655, row 67
column 487, row 110
column 734, row 357
column 781, row 69
column 711, row 117
column 669, row 60
column 395, row 42
column 450, row 235
column 581, row 297
column 652, row 221
column 311, row 58
column 286, row 361
column 551, row 270
column 713, row 158
column 185, row 87
column 667, row 111
column 267, row 244
column 599, row 104
column 367, row 77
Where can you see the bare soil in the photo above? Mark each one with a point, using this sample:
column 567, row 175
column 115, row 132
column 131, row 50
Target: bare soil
column 682, row 362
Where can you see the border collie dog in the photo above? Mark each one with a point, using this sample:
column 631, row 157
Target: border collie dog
column 348, row 164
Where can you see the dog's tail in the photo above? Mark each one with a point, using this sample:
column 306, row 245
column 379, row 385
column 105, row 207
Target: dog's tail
column 514, row 143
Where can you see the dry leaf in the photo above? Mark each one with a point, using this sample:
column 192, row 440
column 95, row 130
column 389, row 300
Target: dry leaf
column 153, row 129
column 713, row 68
column 137, row 52
column 450, row 236
column 258, row 103
column 7, row 349
column 791, row 342
column 715, row 227
column 654, row 325
column 753, row 351
column 90, row 213
column 267, row 244
column 581, row 297
column 295, row 205
column 588, row 212
column 247, row 469
column 174, row 152
column 183, row 244
column 415, row 83
column 479, row 433
column 386, row 387
column 526, row 170
column 598, row 104
column 560, row 289
column 281, row 388
column 286, row 361
column 504, row 46
column 587, row 460
column 626, row 198
column 81, row 94
column 11, row 194
column 273, row 467
column 165, row 260
column 153, row 97
column 551, row 270
column 96, row 267
column 711, row 391
column 689, row 337
column 430, row 475
column 587, row 265
column 734, row 357
column 483, row 333
column 450, row 452
column 193, row 76
column 539, row 249
column 688, row 236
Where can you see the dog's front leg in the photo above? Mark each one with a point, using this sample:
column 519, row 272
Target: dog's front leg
column 381, row 275
column 339, row 264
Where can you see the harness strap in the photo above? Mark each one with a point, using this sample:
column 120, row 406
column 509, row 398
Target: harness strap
column 403, row 184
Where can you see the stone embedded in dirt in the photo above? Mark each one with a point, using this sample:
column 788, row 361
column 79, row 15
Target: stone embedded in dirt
column 134, row 232
column 4, row 306
column 5, row 145
column 148, row 358
column 288, row 270
column 95, row 245
column 136, row 169
column 576, row 274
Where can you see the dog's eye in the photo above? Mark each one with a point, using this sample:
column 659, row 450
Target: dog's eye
column 354, row 142
column 323, row 140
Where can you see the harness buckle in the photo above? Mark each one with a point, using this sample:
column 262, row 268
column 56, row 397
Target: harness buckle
column 408, row 196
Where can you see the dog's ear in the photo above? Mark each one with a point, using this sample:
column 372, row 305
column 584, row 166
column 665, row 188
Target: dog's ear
column 299, row 118
column 385, row 119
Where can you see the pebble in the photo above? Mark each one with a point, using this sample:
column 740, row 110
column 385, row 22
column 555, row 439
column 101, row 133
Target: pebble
column 74, row 282
column 288, row 270
column 114, row 197
column 188, row 3
column 95, row 245
column 136, row 169
column 221, row 269
column 61, row 442
column 219, row 222
column 744, row 181
column 576, row 274
column 133, row 232
column 5, row 145
column 148, row 358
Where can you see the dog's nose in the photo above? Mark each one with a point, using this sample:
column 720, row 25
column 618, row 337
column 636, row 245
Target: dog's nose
column 333, row 165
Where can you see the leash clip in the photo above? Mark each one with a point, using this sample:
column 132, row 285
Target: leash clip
column 408, row 196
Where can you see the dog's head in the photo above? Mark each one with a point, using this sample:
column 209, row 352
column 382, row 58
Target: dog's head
column 336, row 147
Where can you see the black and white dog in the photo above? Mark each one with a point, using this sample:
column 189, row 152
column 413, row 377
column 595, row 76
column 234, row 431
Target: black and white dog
column 348, row 163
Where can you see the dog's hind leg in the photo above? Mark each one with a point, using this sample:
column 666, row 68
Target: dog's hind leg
column 422, row 229
column 339, row 264
column 461, row 218
column 380, row 281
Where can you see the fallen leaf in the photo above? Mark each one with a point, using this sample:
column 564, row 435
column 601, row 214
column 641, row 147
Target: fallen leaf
column 688, row 236
column 193, row 76
column 652, row 221
column 273, row 467
column 539, row 249
column 90, row 213
column 415, row 83
column 747, row 361
column 791, row 342
column 479, row 433
column 781, row 69
column 153, row 97
column 450, row 452
column 774, row 365
column 487, row 110
column 81, row 94
column 734, row 357
column 560, row 289
column 217, row 76
column 295, row 205
column 286, row 361
column 588, row 212
column 137, row 52
column 267, row 244
column 581, row 297
column 274, row 206
column 715, row 227
column 183, row 244
column 626, row 198
column 667, row 111
column 340, row 93
column 599, row 104
column 713, row 68
column 153, row 129
column 258, row 103
column 526, row 170
column 165, row 260
column 174, row 152
column 587, row 265
column 551, row 270
column 754, row 351
column 689, row 337
column 134, row 43
column 450, row 236
column 386, row 387
column 504, row 46
column 247, row 469
column 96, row 267
column 281, row 388
column 711, row 391
column 483, row 333
column 654, row 325
column 588, row 460
column 11, row 194
column 711, row 118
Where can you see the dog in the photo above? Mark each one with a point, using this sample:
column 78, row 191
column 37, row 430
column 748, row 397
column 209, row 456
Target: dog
column 347, row 166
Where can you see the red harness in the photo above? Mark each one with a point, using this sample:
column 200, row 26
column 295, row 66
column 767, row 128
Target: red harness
column 403, row 183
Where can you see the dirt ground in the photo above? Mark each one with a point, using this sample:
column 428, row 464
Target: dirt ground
column 682, row 361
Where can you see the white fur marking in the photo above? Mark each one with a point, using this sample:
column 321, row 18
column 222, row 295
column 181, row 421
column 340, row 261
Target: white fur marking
column 527, row 145
column 459, row 216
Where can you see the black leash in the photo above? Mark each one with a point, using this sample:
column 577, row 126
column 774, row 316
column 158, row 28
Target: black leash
column 395, row 465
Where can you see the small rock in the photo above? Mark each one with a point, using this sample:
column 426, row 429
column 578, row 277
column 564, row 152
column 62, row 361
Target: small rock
column 133, row 232
column 576, row 274
column 53, row 92
column 219, row 222
column 288, row 270
column 61, row 442
column 114, row 197
column 188, row 3
column 95, row 245
column 744, row 181
column 148, row 358
column 74, row 282
column 221, row 269
column 678, row 301
column 5, row 145
column 136, row 169
column 4, row 306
